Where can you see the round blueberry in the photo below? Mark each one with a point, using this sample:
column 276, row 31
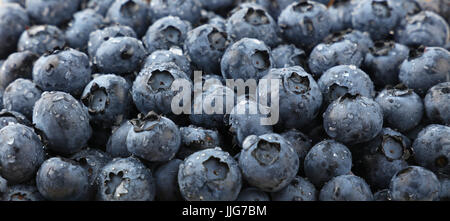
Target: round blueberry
column 20, row 96
column 165, row 33
column 17, row 65
column 437, row 103
column 414, row 184
column 251, row 194
column 133, row 13
column 41, row 39
column 13, row 23
column 346, row 188
column 299, row 189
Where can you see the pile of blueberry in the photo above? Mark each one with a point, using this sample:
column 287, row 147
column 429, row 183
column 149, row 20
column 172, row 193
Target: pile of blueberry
column 85, row 91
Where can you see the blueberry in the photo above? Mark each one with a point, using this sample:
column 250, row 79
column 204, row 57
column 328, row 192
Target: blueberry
column 20, row 96
column 174, row 55
column 425, row 68
column 341, row 14
column 384, row 60
column 251, row 194
column 274, row 7
column 165, row 33
column 346, row 188
column 83, row 23
column 248, row 58
column 325, row 56
column 20, row 2
column 432, row 150
column 362, row 39
column 133, row 13
column 414, row 184
column 120, row 55
column 17, row 65
column 12, row 117
column 152, row 91
column 299, row 96
column 253, row 22
column 188, row 10
column 353, row 119
column 41, row 39
column 60, row 179
column 210, row 175
column 21, row 153
column 402, row 108
column 437, row 103
column 117, row 142
column 166, row 179
column 288, row 55
column 299, row 189
column 108, row 100
column 268, row 162
column 153, row 138
column 425, row 28
column 382, row 195
column 63, row 120
column 22, row 193
column 68, row 71
column 440, row 6
column 196, row 138
column 126, row 179
column 98, row 37
column 52, row 12
column 406, row 8
column 380, row 169
column 444, row 194
column 378, row 17
column 100, row 6
column 305, row 23
column 13, row 23
column 215, row 5
column 342, row 79
column 3, row 185
column 218, row 21
column 300, row 142
column 206, row 45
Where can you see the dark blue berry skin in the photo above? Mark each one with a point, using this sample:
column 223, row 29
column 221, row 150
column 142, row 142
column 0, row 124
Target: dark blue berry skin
column 63, row 120
column 341, row 14
column 196, row 139
column 41, row 39
column 83, row 23
column 288, row 55
column 117, row 142
column 246, row 124
column 206, row 45
column 153, row 138
column 253, row 22
column 12, row 117
column 92, row 160
column 362, row 39
column 382, row 195
column 120, row 55
column 425, row 28
column 248, row 58
column 300, row 98
column 342, row 79
column 402, row 108
column 437, row 103
column 22, row 193
column 21, row 153
column 100, row 6
column 53, row 12
column 274, row 7
column 97, row 38
column 17, row 65
column 210, row 175
column 174, row 55
column 353, row 119
column 215, row 5
column 377, row 17
column 218, row 21
column 108, row 100
column 305, row 23
column 152, row 91
column 425, row 68
column 406, row 8
column 325, row 56
column 444, row 194
column 3, row 185
column 188, row 10
column 166, row 179
column 299, row 189
column 383, row 62
column 252, row 194
column 60, row 179
column 133, row 13
column 326, row 160
column 206, row 119
column 268, row 162
column 165, row 33
column 380, row 170
column 431, row 149
column 126, row 179
column 414, row 184
column 20, row 96
column 14, row 20
column 68, row 71
column 20, row 2
column 301, row 144
column 346, row 188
